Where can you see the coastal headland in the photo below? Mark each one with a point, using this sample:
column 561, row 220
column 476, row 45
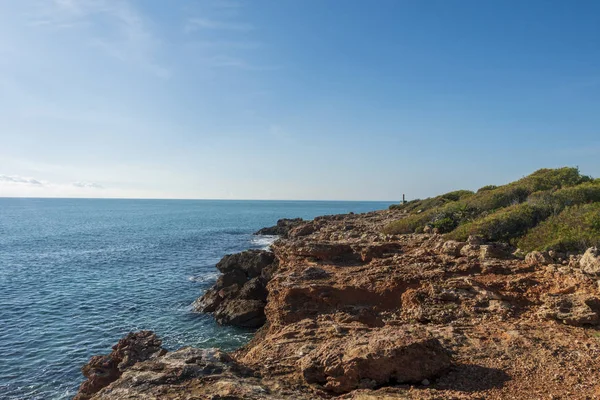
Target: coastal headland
column 491, row 294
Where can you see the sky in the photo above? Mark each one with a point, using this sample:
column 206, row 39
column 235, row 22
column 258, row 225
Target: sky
column 293, row 99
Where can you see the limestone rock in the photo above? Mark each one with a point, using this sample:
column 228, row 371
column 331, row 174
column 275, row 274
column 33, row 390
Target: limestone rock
column 574, row 309
column 380, row 356
column 538, row 258
column 590, row 262
column 101, row 371
column 494, row 250
column 452, row 248
column 191, row 373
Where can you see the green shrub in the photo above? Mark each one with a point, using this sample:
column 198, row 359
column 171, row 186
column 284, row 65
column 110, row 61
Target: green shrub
column 486, row 188
column 575, row 229
column 503, row 225
column 432, row 202
column 547, row 192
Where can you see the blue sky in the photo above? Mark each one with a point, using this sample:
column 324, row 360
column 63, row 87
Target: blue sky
column 304, row 99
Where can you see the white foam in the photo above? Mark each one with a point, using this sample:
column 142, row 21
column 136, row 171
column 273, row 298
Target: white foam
column 264, row 241
column 205, row 277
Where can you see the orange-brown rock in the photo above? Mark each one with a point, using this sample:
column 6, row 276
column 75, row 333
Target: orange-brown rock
column 101, row 371
column 352, row 313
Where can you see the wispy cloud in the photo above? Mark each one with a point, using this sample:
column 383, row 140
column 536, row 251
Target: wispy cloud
column 123, row 31
column 20, row 180
column 90, row 185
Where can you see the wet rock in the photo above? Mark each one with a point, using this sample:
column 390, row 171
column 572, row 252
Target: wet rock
column 240, row 294
column 208, row 302
column 233, row 277
column 243, row 313
column 282, row 228
column 379, row 356
column 250, row 262
column 101, row 371
column 590, row 262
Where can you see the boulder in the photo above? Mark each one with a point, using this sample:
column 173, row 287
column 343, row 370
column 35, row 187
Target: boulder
column 303, row 230
column 209, row 301
column 375, row 358
column 573, row 309
column 494, row 250
column 590, row 262
column 243, row 313
column 452, row 248
column 101, row 371
column 240, row 294
column 475, row 240
column 250, row 262
column 538, row 258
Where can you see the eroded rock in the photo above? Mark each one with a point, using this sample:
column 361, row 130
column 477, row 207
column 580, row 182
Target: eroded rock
column 101, row 371
column 538, row 258
column 282, row 227
column 590, row 262
column 375, row 358
column 240, row 294
column 573, row 309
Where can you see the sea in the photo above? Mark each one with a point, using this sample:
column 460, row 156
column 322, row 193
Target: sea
column 76, row 275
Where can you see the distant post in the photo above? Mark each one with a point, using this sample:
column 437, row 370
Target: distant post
column 403, row 199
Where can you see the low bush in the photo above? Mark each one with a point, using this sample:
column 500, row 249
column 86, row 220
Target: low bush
column 486, row 188
column 432, row 202
column 500, row 213
column 575, row 229
column 505, row 224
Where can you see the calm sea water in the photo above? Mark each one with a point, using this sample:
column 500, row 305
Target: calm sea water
column 76, row 275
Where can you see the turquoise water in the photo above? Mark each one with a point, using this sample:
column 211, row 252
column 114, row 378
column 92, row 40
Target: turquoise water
column 76, row 275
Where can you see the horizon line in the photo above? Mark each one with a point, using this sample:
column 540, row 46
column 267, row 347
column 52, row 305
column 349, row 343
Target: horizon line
column 188, row 199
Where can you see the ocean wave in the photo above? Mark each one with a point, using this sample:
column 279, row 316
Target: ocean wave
column 205, row 277
column 263, row 242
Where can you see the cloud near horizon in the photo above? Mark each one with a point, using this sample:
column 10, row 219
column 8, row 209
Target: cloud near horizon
column 21, row 186
column 19, row 180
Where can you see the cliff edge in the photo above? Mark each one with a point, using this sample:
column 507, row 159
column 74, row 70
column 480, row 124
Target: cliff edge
column 354, row 313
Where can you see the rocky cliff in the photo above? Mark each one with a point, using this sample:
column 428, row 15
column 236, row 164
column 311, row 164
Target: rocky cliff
column 352, row 313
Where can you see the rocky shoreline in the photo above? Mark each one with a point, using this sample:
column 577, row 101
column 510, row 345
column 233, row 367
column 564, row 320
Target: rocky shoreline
column 348, row 312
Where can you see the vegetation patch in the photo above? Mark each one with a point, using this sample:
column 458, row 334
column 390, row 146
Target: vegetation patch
column 575, row 229
column 512, row 212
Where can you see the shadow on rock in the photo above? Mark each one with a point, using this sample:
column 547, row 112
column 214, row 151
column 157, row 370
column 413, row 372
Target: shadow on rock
column 472, row 378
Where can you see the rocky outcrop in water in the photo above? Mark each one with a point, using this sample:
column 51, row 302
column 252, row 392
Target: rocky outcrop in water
column 356, row 314
column 240, row 294
column 282, row 227
column 101, row 371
